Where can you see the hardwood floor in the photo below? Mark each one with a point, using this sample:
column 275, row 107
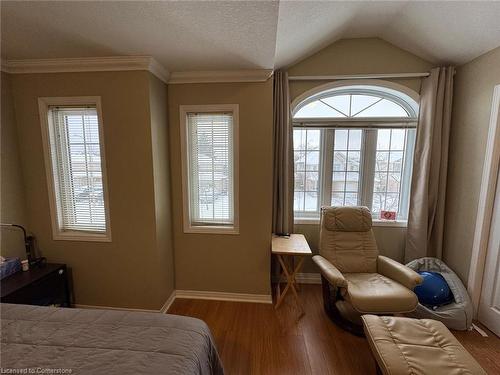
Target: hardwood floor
column 256, row 339
column 486, row 350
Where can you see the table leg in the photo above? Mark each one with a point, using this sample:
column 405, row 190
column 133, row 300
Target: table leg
column 278, row 286
column 292, row 267
column 290, row 277
column 293, row 282
column 282, row 268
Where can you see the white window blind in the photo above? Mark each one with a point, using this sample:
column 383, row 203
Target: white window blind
column 75, row 152
column 210, row 168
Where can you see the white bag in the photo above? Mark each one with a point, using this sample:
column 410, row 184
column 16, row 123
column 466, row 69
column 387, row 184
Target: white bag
column 456, row 315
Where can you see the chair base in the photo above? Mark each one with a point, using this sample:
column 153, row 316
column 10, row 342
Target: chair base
column 333, row 312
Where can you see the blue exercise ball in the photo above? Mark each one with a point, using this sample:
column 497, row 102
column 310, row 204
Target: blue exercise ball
column 434, row 290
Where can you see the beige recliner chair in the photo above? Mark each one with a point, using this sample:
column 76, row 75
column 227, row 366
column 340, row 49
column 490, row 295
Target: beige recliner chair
column 356, row 279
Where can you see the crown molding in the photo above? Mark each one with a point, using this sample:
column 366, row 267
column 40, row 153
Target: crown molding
column 86, row 64
column 128, row 63
column 221, row 76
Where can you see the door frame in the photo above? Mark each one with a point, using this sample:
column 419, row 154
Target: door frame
column 485, row 205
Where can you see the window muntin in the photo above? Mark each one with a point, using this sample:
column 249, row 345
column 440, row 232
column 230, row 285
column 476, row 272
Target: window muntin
column 357, row 103
column 364, row 161
column 73, row 144
column 209, row 139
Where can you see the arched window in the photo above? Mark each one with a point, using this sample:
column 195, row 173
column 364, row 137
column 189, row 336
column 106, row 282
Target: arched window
column 357, row 102
column 353, row 145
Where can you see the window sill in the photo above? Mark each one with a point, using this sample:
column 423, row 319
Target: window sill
column 306, row 220
column 390, row 223
column 210, row 229
column 375, row 222
column 81, row 236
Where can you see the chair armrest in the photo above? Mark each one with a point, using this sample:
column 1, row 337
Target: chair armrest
column 330, row 272
column 398, row 272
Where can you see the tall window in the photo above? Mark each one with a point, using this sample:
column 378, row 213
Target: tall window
column 393, row 159
column 353, row 145
column 307, row 169
column 346, row 167
column 75, row 162
column 209, row 135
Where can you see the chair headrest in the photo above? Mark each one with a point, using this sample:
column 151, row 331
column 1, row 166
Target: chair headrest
column 346, row 219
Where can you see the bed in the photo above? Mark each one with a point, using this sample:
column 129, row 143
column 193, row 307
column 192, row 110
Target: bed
column 84, row 341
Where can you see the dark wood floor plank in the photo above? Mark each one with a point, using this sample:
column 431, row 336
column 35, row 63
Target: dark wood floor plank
column 257, row 339
column 486, row 350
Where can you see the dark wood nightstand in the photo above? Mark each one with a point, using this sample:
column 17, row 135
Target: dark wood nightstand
column 42, row 285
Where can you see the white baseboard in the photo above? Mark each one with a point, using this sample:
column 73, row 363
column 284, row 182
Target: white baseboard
column 304, row 278
column 199, row 294
column 308, row 278
column 223, row 296
column 162, row 310
column 168, row 303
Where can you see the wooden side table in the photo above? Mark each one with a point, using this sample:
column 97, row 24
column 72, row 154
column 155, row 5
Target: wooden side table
column 283, row 247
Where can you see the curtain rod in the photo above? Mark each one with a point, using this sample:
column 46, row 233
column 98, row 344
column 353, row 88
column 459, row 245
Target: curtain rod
column 358, row 76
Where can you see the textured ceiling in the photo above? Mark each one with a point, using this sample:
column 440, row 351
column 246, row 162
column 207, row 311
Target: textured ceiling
column 218, row 35
column 438, row 31
column 181, row 35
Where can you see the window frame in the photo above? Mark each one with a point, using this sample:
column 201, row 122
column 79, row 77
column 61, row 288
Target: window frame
column 366, row 175
column 369, row 126
column 392, row 88
column 57, row 233
column 188, row 224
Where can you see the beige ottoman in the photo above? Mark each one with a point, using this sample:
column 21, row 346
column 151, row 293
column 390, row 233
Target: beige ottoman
column 416, row 346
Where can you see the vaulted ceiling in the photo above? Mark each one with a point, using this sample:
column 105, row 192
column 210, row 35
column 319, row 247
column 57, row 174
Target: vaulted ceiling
column 219, row 35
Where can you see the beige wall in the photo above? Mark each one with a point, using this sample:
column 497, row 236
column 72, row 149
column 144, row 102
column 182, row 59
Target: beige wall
column 141, row 135
column 128, row 271
column 358, row 56
column 162, row 181
column 12, row 187
column 472, row 101
column 228, row 263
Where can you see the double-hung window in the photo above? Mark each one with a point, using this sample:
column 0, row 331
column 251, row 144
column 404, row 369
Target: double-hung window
column 353, row 145
column 75, row 166
column 209, row 139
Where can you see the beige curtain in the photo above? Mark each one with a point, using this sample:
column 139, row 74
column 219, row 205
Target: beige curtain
column 283, row 156
column 428, row 186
